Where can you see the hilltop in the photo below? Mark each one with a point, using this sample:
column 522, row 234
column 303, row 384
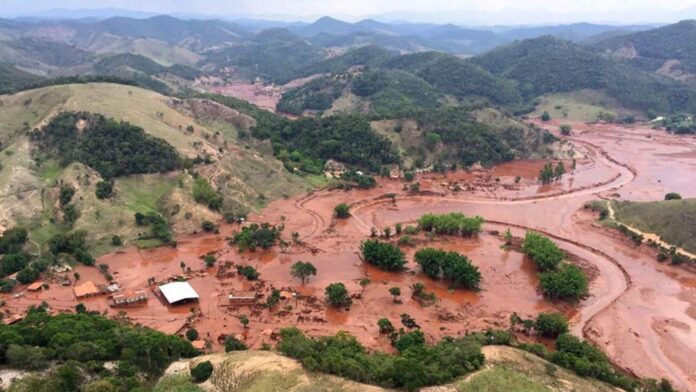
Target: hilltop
column 245, row 175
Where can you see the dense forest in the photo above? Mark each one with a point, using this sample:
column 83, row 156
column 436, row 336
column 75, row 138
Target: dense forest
column 70, row 350
column 110, row 147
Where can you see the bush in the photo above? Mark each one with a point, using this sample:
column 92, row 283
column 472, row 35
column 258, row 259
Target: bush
column 673, row 196
column 208, row 226
column 551, row 325
column 342, row 211
column 27, row 275
column 116, row 240
column 385, row 326
column 337, row 295
column 383, row 255
column 202, row 372
column 453, row 267
column 453, row 223
column 204, row 193
column 104, row 189
column 66, row 194
column 234, row 344
column 248, row 272
column 409, row 340
column 567, row 283
column 544, row 252
column 565, row 129
column 192, row 334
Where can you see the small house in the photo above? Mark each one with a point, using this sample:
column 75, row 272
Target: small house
column 242, row 298
column 86, row 290
column 36, row 286
column 129, row 298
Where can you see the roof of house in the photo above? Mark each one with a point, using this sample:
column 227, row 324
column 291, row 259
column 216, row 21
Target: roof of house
column 178, row 291
column 242, row 294
column 86, row 289
column 35, row 286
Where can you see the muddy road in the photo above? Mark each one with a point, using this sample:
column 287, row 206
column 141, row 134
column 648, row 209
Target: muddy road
column 641, row 313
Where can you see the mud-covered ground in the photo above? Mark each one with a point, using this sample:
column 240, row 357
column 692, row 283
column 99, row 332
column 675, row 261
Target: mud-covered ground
column 641, row 313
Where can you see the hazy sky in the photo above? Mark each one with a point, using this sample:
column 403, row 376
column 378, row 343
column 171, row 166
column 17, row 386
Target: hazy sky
column 470, row 11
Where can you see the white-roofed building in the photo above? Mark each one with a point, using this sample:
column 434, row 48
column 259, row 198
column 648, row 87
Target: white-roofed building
column 176, row 292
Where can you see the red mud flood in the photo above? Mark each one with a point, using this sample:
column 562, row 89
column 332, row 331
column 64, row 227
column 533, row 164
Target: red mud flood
column 641, row 313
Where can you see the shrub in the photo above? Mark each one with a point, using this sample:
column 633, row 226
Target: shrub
column 27, row 275
column 104, row 189
column 544, row 252
column 567, row 283
column 204, row 193
column 673, row 196
column 248, row 272
column 551, row 325
column 342, row 211
column 209, row 260
column 545, row 116
column 192, row 334
column 234, row 344
column 410, row 339
column 565, row 129
column 208, row 226
column 116, row 240
column 337, row 295
column 406, row 240
column 385, row 326
column 202, row 372
column 66, row 194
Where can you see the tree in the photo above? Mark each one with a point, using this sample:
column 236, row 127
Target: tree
column 544, row 252
column 452, row 266
column 244, row 320
column 567, row 283
column 559, row 171
column 385, row 326
column 395, row 292
column 673, row 196
column 80, row 308
column 410, row 339
column 116, row 240
column 209, row 260
column 66, row 194
column 546, row 174
column 545, row 116
column 337, row 295
column 342, row 211
column 191, row 334
column 302, row 270
column 383, row 255
column 76, row 275
column 27, row 275
column 551, row 325
column 565, row 129
column 201, row 372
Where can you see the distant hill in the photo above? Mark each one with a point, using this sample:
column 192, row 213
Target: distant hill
column 551, row 65
column 668, row 50
column 12, row 78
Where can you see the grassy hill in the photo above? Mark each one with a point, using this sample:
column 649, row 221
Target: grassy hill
column 674, row 220
column 246, row 177
column 255, row 371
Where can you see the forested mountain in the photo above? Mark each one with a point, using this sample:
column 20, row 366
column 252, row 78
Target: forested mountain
column 550, row 65
column 668, row 50
column 12, row 78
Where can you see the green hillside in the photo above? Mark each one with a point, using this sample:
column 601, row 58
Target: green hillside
column 673, row 220
column 550, row 65
column 651, row 49
column 244, row 176
column 12, row 78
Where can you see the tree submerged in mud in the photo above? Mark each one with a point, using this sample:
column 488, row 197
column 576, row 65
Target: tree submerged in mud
column 303, row 270
column 254, row 236
column 337, row 295
column 383, row 255
column 451, row 266
column 454, row 223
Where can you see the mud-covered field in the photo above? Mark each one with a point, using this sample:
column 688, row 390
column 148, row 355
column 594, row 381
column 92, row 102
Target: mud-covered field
column 641, row 313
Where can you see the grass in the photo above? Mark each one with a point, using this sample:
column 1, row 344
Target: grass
column 501, row 378
column 176, row 384
column 674, row 220
column 583, row 105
